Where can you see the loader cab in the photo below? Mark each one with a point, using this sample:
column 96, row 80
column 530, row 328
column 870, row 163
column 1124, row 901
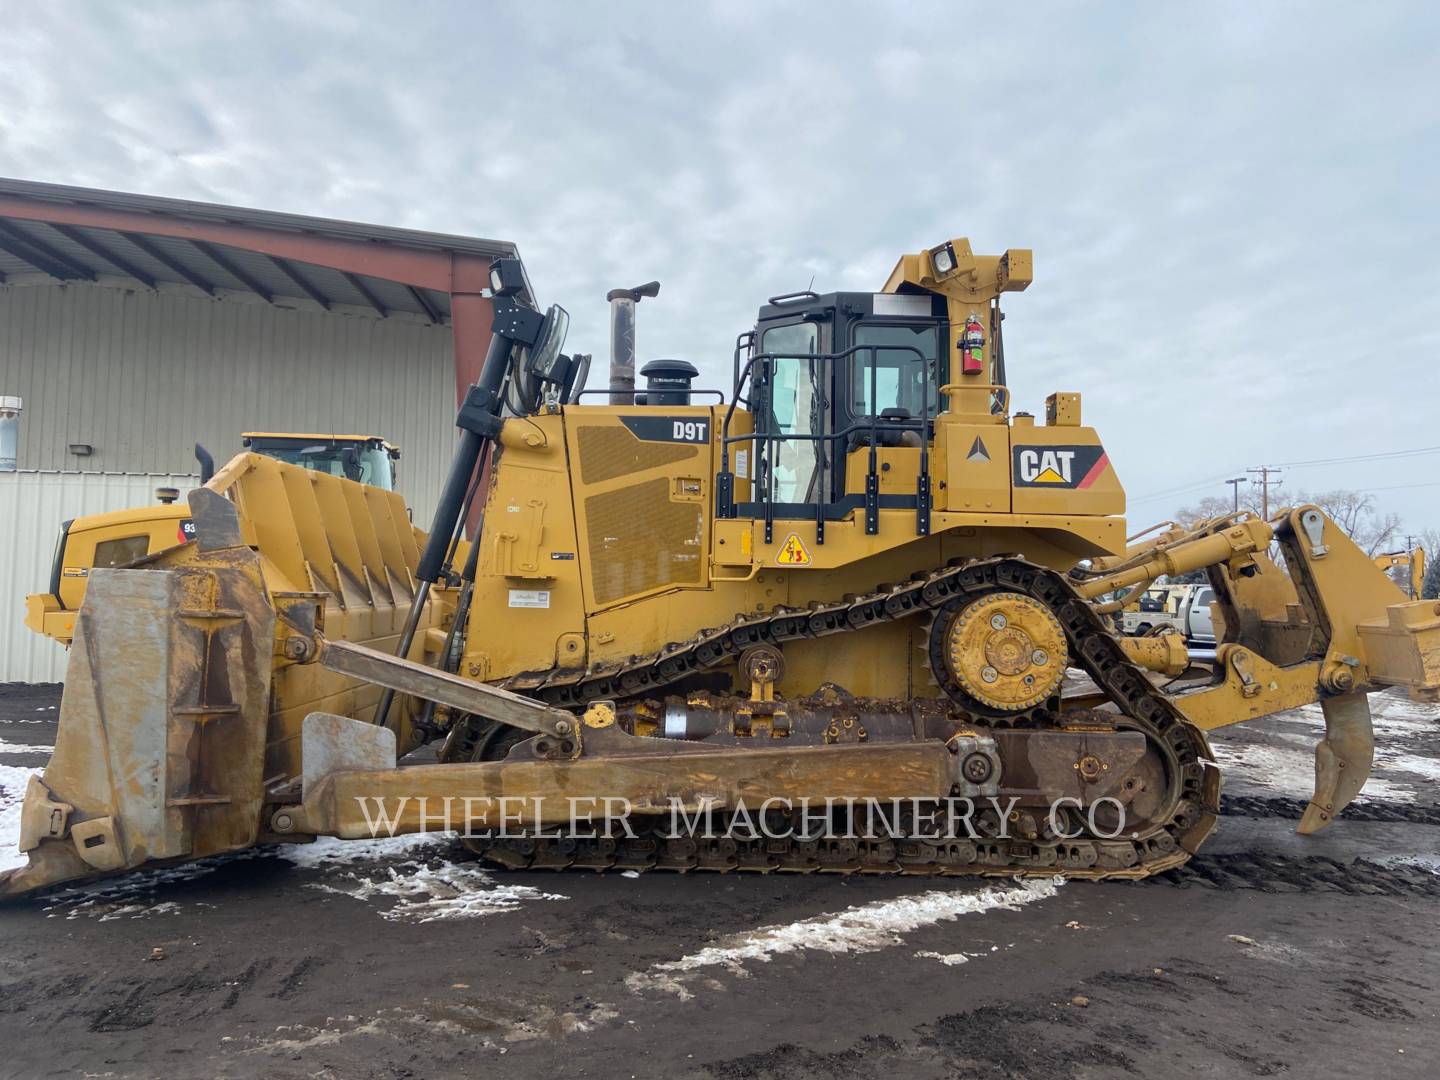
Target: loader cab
column 366, row 459
column 843, row 388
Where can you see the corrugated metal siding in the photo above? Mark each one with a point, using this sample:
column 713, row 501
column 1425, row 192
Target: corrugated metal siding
column 141, row 376
column 32, row 506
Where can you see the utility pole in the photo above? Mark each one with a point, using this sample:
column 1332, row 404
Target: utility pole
column 1235, row 487
column 1265, row 472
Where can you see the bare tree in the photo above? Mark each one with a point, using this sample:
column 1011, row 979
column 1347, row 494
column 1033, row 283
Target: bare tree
column 1429, row 539
column 1354, row 511
column 1213, row 506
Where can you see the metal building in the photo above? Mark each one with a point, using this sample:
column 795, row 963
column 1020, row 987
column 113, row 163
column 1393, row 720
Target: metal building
column 132, row 327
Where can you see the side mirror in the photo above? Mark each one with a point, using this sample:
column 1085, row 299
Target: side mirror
column 543, row 359
column 579, row 375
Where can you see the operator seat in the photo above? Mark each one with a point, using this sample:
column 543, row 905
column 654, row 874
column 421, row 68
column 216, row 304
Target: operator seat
column 886, row 433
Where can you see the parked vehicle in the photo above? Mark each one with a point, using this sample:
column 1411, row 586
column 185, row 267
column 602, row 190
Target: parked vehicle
column 1197, row 620
column 1159, row 605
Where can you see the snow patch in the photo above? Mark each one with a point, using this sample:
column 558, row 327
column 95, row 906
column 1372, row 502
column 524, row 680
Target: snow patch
column 332, row 851
column 948, row 959
column 862, row 929
column 490, row 1023
column 13, row 781
column 1415, row 861
column 133, row 896
column 1394, row 711
column 1398, row 760
column 1291, row 771
column 1407, row 751
column 425, row 889
column 23, row 748
column 109, row 912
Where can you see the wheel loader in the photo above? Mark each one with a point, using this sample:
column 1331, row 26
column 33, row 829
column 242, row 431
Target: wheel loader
column 120, row 537
column 854, row 615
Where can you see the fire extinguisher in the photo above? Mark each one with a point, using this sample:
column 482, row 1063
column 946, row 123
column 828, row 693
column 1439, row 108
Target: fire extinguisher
column 972, row 347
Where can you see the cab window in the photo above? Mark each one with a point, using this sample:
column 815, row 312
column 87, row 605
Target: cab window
column 795, row 406
column 121, row 551
column 363, row 464
column 899, row 375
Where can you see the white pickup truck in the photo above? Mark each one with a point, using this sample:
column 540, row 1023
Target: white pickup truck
column 1159, row 605
column 1186, row 608
column 1197, row 620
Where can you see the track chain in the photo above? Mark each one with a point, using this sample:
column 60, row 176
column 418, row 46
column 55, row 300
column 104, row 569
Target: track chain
column 1192, row 801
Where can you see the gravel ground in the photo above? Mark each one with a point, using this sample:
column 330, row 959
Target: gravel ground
column 1269, row 954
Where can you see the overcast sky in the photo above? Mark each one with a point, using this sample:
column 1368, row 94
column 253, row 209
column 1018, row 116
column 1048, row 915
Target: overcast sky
column 1233, row 207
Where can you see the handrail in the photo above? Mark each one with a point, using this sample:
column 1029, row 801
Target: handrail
column 719, row 394
column 743, row 340
column 792, row 297
column 870, row 423
column 994, row 388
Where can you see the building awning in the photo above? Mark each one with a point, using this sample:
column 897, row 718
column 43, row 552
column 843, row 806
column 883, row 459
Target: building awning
column 82, row 234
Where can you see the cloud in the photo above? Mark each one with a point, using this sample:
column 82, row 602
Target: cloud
column 1231, row 205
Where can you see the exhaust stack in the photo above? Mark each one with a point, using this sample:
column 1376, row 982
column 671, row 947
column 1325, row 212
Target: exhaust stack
column 622, row 339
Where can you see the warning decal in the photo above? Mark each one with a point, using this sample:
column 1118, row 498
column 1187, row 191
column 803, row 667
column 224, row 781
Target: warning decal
column 792, row 552
column 1059, row 466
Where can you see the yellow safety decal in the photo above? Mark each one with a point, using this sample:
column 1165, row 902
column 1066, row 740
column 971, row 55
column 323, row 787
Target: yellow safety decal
column 792, row 552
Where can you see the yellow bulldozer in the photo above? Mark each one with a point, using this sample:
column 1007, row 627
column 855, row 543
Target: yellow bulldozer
column 851, row 617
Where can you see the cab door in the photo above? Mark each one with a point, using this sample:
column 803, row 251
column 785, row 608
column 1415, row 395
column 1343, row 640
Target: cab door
column 792, row 399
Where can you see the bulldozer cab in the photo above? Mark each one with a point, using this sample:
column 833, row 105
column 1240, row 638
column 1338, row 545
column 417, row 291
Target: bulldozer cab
column 844, row 388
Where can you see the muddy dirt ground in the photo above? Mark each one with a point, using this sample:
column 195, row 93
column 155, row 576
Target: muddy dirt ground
column 1269, row 955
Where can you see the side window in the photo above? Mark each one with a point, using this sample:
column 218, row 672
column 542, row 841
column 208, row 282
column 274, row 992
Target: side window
column 794, row 406
column 899, row 375
column 796, row 339
column 127, row 549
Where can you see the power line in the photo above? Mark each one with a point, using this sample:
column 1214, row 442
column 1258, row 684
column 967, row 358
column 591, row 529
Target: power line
column 1183, row 488
column 1381, row 455
column 1378, row 456
column 1402, row 487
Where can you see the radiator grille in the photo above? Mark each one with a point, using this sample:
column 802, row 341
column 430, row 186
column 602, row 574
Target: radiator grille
column 641, row 540
column 609, row 451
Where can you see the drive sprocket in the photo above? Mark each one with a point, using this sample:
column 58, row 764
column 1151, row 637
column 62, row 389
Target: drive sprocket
column 1004, row 651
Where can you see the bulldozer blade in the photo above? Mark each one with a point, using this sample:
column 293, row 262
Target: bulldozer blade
column 160, row 749
column 189, row 679
column 1342, row 759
